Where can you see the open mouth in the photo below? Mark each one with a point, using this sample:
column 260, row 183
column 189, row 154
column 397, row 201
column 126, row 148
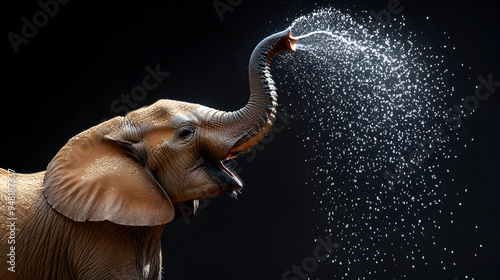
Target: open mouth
column 222, row 177
column 235, row 183
column 226, row 181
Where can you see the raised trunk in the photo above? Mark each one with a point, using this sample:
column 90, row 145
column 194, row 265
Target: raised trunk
column 251, row 123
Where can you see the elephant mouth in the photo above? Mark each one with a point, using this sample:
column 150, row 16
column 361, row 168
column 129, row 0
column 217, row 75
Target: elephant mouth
column 232, row 182
column 225, row 180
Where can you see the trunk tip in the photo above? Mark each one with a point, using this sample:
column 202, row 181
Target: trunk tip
column 291, row 42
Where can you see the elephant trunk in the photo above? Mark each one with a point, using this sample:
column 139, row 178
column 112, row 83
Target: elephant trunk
column 251, row 123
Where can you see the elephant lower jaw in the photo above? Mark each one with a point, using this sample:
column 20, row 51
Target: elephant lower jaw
column 233, row 182
column 224, row 181
column 222, row 177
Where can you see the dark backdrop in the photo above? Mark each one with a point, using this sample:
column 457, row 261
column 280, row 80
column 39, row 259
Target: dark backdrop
column 66, row 78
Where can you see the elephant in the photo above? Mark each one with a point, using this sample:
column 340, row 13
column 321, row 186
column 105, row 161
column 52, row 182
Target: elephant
column 100, row 207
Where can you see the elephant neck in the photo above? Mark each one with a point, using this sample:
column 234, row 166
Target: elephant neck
column 145, row 238
column 66, row 246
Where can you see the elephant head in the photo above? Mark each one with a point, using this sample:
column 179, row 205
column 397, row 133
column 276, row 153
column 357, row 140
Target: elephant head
column 134, row 170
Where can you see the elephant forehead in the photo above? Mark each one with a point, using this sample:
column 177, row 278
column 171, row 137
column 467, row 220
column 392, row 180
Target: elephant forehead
column 161, row 112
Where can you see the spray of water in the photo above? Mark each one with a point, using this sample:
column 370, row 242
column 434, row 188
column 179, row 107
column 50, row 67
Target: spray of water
column 375, row 99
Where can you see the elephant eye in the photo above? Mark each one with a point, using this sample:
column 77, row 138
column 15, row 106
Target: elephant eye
column 185, row 132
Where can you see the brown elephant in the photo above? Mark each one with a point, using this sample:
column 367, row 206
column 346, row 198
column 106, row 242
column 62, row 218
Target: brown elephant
column 99, row 209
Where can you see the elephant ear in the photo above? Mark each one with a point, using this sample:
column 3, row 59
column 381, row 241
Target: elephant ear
column 100, row 175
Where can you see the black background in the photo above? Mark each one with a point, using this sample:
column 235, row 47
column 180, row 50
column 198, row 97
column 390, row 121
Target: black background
column 66, row 78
